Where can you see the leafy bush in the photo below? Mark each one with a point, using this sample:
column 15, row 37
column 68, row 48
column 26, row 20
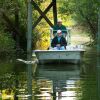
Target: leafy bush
column 6, row 45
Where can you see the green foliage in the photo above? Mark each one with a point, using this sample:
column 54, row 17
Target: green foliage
column 71, row 11
column 16, row 15
column 6, row 45
column 84, row 12
column 16, row 11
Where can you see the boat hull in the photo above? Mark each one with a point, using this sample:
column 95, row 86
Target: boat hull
column 59, row 56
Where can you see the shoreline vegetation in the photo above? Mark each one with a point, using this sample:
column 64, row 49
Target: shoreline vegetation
column 13, row 25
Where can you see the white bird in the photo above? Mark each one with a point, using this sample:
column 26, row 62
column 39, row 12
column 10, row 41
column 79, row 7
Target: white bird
column 27, row 62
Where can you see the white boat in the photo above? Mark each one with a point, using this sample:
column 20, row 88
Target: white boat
column 72, row 54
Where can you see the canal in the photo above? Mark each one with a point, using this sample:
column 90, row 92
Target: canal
column 52, row 82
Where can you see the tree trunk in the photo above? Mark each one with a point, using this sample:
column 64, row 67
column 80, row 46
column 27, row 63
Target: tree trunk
column 17, row 26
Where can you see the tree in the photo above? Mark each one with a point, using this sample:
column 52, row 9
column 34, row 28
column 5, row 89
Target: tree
column 13, row 20
column 84, row 12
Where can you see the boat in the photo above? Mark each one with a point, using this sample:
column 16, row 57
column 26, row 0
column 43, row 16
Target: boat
column 72, row 54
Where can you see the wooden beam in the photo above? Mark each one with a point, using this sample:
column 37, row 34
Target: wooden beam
column 29, row 50
column 54, row 11
column 41, row 13
column 46, row 10
column 98, row 34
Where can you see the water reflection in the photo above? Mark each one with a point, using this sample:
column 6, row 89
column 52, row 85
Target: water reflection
column 66, row 82
column 98, row 76
column 10, row 80
column 98, row 82
column 57, row 82
column 52, row 82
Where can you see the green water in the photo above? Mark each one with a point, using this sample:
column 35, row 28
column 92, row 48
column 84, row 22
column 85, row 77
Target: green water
column 52, row 82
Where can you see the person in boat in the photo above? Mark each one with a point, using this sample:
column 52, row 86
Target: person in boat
column 61, row 27
column 59, row 42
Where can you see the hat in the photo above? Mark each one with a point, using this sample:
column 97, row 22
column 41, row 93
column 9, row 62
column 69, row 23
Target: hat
column 59, row 20
column 59, row 31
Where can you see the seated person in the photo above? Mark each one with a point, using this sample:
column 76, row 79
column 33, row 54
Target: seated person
column 59, row 42
column 61, row 27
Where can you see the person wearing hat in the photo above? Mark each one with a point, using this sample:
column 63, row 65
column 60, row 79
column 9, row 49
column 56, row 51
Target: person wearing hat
column 59, row 26
column 59, row 42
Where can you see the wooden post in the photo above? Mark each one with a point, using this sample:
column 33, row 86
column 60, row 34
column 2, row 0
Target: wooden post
column 54, row 11
column 98, row 58
column 98, row 35
column 29, row 49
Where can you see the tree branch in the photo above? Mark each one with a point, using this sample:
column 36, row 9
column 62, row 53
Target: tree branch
column 10, row 25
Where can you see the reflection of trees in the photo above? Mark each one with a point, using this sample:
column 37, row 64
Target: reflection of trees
column 12, row 79
column 42, row 89
column 7, row 84
column 87, row 83
column 6, row 75
column 7, row 81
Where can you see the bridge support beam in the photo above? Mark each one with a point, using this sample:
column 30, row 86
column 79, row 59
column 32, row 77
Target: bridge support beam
column 43, row 14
